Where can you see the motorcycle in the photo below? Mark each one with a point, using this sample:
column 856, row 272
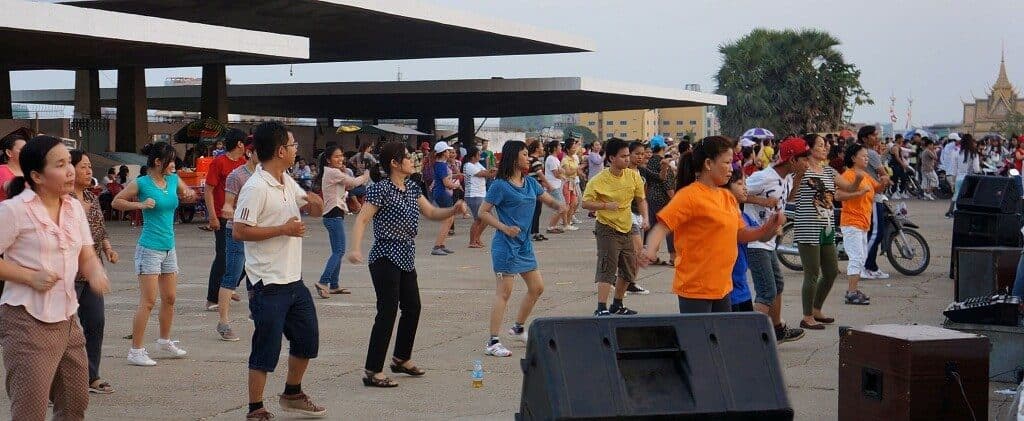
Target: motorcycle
column 905, row 248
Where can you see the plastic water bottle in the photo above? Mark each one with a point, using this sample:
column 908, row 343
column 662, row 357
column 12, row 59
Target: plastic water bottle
column 478, row 374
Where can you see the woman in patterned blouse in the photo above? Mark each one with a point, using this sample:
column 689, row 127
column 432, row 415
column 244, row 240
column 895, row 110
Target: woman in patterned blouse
column 394, row 205
column 90, row 304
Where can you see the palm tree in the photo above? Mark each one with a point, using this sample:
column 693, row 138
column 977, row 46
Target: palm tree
column 788, row 82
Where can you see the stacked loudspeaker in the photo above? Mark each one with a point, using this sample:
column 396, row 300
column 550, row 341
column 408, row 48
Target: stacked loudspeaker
column 678, row 367
column 988, row 214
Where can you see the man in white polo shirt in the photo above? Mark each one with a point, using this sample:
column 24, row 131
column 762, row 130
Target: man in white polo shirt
column 268, row 219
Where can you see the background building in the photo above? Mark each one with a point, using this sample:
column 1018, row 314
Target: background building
column 696, row 122
column 982, row 116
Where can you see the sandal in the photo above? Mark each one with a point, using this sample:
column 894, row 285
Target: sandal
column 816, row 326
column 235, row 297
column 340, row 291
column 100, row 386
column 397, row 367
column 476, row 246
column 825, row 320
column 370, row 381
column 322, row 291
column 660, row 262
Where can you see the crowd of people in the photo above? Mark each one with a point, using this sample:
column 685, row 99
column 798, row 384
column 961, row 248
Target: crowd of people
column 716, row 203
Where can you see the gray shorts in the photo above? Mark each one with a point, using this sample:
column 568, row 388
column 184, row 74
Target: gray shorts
column 766, row 273
column 155, row 262
column 474, row 204
column 558, row 195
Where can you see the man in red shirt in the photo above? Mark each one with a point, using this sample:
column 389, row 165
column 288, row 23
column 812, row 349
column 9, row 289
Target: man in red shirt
column 221, row 166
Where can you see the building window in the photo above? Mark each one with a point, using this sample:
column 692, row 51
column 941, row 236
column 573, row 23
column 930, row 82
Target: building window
column 623, row 122
column 693, row 122
column 666, row 122
column 610, row 123
column 665, row 134
column 623, row 135
column 680, row 134
column 609, row 135
column 679, row 122
column 591, row 123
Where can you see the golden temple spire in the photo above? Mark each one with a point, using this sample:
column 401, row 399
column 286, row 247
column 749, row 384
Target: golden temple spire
column 1002, row 82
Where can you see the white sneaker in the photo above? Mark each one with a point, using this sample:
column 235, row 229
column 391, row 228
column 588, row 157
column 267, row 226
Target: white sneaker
column 576, row 221
column 497, row 350
column 521, row 337
column 572, row 227
column 880, row 275
column 171, row 348
column 140, row 357
column 873, row 274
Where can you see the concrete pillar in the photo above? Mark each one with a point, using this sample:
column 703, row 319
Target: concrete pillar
column 132, row 122
column 467, row 131
column 214, row 102
column 6, row 109
column 427, row 125
column 87, row 93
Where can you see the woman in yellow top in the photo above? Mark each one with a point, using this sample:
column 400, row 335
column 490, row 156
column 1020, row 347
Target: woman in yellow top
column 705, row 223
column 571, row 186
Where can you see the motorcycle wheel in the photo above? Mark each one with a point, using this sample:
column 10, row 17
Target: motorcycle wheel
column 910, row 258
column 788, row 240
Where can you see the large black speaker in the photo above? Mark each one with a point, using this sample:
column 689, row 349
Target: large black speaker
column 988, row 193
column 679, row 367
column 983, row 229
column 984, row 270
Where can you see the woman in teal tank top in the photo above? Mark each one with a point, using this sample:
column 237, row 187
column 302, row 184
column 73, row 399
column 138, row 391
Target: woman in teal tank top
column 156, row 193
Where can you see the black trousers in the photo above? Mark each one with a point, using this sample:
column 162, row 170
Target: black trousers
column 90, row 313
column 396, row 289
column 217, row 268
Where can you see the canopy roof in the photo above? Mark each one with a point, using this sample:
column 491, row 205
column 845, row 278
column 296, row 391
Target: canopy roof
column 412, row 99
column 360, row 30
column 53, row 36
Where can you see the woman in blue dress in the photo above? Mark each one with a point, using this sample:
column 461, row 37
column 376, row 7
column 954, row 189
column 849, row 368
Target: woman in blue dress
column 512, row 198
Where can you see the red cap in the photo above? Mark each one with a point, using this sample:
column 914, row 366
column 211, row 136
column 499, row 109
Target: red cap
column 792, row 147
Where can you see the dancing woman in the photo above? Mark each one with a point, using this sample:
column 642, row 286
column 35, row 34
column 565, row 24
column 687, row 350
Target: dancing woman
column 394, row 204
column 512, row 197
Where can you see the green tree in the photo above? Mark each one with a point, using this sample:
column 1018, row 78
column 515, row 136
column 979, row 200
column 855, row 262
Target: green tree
column 1012, row 125
column 582, row 132
column 788, row 82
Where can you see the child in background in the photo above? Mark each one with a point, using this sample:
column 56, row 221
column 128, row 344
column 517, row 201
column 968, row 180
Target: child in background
column 740, row 297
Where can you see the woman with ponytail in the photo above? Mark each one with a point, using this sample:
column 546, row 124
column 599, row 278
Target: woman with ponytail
column 46, row 243
column 156, row 194
column 334, row 183
column 705, row 223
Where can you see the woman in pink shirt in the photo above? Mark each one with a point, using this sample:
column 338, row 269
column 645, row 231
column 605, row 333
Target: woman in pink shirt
column 334, row 185
column 46, row 242
column 10, row 149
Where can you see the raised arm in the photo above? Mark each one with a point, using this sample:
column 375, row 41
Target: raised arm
column 434, row 213
column 126, row 200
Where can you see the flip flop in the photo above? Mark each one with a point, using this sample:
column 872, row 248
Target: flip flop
column 322, row 291
column 340, row 291
column 476, row 246
column 205, row 228
column 660, row 262
column 235, row 297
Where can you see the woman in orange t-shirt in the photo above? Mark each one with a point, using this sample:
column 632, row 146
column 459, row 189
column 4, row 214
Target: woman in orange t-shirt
column 705, row 223
column 855, row 220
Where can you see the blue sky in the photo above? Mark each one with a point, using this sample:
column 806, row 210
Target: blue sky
column 938, row 51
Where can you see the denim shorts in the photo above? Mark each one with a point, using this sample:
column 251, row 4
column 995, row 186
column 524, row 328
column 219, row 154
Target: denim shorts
column 444, row 200
column 282, row 309
column 155, row 262
column 557, row 194
column 766, row 273
column 474, row 204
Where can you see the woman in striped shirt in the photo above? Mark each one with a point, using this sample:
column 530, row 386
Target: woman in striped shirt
column 815, row 230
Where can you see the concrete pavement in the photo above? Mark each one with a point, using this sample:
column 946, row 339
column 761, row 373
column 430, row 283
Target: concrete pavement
column 456, row 290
